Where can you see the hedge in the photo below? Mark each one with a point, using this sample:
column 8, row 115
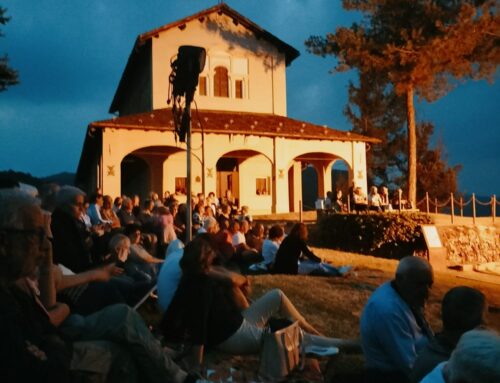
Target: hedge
column 380, row 234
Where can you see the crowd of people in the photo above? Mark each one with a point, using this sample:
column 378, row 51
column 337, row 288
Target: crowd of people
column 73, row 269
column 377, row 200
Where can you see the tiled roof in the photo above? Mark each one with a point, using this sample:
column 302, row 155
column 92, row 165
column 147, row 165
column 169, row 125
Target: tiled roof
column 290, row 52
column 224, row 122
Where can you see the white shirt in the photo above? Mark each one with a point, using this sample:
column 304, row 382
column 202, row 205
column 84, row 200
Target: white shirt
column 238, row 238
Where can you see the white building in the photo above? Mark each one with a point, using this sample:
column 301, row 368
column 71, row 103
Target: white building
column 241, row 137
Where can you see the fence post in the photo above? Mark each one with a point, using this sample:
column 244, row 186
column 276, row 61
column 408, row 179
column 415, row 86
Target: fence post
column 493, row 207
column 436, row 205
column 427, row 201
column 474, row 208
column 348, row 203
column 452, row 208
column 461, row 207
column 300, row 210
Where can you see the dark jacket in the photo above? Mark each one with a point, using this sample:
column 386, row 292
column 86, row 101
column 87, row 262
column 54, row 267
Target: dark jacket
column 288, row 255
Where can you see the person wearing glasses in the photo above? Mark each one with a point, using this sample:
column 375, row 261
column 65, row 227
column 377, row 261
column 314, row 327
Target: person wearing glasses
column 113, row 344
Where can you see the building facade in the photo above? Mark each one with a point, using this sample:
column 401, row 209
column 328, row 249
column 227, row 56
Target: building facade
column 241, row 138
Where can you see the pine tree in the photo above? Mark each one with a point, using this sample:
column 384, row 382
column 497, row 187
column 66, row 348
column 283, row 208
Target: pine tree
column 424, row 47
column 8, row 76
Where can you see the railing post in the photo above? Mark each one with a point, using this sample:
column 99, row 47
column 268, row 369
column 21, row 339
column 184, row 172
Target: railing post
column 300, row 210
column 493, row 207
column 461, row 207
column 474, row 208
column 436, row 205
column 427, row 201
column 399, row 198
column 452, row 208
column 348, row 203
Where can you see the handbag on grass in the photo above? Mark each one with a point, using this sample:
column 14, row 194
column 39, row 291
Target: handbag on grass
column 281, row 351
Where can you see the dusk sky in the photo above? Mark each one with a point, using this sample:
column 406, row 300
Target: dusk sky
column 71, row 54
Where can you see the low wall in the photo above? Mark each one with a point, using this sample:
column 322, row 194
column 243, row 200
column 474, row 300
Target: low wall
column 470, row 244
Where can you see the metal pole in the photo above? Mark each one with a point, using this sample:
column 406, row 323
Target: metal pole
column 474, row 208
column 300, row 210
column 427, row 201
column 189, row 210
column 452, row 208
column 348, row 203
column 493, row 207
column 436, row 205
column 461, row 207
column 203, row 161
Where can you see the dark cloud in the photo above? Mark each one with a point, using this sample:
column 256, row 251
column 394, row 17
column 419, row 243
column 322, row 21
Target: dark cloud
column 71, row 54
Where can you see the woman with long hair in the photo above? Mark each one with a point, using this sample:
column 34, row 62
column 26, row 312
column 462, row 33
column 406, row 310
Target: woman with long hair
column 291, row 249
column 211, row 308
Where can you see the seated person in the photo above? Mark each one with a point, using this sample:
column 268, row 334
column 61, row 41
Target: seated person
column 170, row 274
column 393, row 326
column 255, row 237
column 94, row 210
column 463, row 309
column 125, row 214
column 269, row 249
column 360, row 200
column 32, row 348
column 337, row 203
column 210, row 226
column 291, row 249
column 244, row 255
column 72, row 242
column 374, row 200
column 213, row 313
column 138, row 254
column 108, row 213
column 474, row 360
column 384, row 199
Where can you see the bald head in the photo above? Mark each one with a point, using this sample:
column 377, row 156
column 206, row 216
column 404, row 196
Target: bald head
column 410, row 265
column 414, row 278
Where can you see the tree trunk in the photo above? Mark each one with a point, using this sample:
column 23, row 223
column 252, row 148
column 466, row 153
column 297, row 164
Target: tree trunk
column 412, row 147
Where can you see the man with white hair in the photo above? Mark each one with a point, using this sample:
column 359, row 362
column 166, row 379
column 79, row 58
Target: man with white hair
column 32, row 348
column 393, row 327
column 474, row 360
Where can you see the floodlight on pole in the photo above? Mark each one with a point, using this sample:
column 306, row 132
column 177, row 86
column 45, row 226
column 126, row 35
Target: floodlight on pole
column 183, row 79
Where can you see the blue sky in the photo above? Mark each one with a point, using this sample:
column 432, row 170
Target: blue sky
column 71, row 54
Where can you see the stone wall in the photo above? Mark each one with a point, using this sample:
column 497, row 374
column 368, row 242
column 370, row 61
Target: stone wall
column 471, row 244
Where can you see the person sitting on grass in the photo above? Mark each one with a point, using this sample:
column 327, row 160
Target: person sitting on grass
column 393, row 326
column 463, row 309
column 269, row 249
column 291, row 249
column 474, row 360
column 215, row 313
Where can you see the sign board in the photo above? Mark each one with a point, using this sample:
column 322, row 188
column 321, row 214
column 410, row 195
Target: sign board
column 431, row 236
column 437, row 253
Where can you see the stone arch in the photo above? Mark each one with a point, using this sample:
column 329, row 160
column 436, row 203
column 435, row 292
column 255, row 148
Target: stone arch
column 312, row 186
column 136, row 176
column 143, row 169
column 248, row 174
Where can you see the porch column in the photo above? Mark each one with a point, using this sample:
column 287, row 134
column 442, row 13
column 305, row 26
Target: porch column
column 111, row 165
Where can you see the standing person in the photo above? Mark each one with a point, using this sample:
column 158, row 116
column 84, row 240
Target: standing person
column 291, row 249
column 393, row 326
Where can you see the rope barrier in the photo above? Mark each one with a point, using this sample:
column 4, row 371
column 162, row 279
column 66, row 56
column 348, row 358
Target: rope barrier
column 483, row 203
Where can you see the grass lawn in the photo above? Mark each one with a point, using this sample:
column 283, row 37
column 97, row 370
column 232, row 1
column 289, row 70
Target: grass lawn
column 334, row 305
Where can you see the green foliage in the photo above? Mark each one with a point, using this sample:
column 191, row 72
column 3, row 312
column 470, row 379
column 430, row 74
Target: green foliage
column 420, row 46
column 381, row 234
column 8, row 76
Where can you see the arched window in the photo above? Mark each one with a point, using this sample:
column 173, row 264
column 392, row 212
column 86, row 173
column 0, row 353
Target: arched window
column 221, row 82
